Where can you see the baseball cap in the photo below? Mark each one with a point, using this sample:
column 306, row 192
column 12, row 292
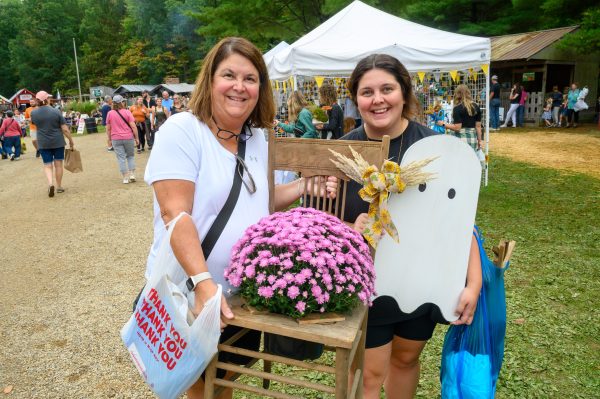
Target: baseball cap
column 42, row 95
column 495, row 77
column 118, row 99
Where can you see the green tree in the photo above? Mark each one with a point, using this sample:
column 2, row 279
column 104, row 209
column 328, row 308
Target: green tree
column 43, row 54
column 11, row 24
column 102, row 34
column 587, row 39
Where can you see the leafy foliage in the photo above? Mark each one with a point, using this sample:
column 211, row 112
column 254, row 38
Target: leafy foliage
column 142, row 41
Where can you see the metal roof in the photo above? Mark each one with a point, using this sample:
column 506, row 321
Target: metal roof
column 123, row 89
column 526, row 45
column 174, row 88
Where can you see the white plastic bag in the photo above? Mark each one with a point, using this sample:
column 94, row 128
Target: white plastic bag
column 580, row 105
column 168, row 347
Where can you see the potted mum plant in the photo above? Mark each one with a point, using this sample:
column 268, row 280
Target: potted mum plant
column 299, row 262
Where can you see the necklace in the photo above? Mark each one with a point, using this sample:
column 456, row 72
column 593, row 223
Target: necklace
column 401, row 140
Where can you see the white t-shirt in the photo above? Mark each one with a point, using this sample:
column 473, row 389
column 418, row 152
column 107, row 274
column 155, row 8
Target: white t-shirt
column 185, row 149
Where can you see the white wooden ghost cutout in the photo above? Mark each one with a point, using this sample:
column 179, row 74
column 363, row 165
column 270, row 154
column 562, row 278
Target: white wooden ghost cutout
column 435, row 224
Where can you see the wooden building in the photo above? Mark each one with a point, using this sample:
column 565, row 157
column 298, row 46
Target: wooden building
column 534, row 60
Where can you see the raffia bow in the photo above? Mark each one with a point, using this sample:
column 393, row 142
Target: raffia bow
column 377, row 186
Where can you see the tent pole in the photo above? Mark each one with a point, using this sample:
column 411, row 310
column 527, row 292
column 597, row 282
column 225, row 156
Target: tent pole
column 487, row 127
column 295, row 80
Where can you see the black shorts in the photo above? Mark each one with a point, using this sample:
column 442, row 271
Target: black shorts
column 250, row 341
column 418, row 329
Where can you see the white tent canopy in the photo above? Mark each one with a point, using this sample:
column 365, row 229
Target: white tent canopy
column 268, row 56
column 335, row 47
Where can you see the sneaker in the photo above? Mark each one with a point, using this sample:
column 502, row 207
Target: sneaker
column 51, row 191
column 4, row 156
column 110, row 149
column 60, row 190
column 149, row 148
column 37, row 154
column 139, row 151
column 125, row 181
column 132, row 178
column 12, row 157
column 17, row 158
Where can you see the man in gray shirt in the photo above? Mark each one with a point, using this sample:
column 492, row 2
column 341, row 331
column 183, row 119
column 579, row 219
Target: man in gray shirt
column 51, row 127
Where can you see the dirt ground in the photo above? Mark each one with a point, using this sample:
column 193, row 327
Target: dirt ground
column 71, row 265
column 573, row 150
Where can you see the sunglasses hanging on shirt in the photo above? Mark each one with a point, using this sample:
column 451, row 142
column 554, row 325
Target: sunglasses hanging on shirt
column 225, row 134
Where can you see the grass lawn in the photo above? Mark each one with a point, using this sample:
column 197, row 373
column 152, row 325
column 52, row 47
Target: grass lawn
column 552, row 286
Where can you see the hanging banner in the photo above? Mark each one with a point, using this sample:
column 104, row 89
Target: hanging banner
column 285, row 86
column 485, row 68
column 454, row 76
column 421, row 76
column 319, row 80
column 277, row 85
column 473, row 73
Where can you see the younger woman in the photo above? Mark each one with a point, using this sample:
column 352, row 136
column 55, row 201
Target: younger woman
column 161, row 114
column 300, row 118
column 381, row 87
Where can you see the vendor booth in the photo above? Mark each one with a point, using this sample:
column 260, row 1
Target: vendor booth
column 437, row 60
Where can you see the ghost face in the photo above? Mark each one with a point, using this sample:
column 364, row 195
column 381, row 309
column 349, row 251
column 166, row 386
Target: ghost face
column 435, row 224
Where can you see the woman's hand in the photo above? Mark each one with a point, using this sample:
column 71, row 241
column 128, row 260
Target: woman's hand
column 326, row 186
column 466, row 306
column 361, row 223
column 204, row 291
column 319, row 126
column 137, row 142
column 440, row 123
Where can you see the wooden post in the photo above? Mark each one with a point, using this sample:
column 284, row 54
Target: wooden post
column 209, row 378
column 341, row 372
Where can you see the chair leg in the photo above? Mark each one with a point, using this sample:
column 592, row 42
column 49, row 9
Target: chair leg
column 267, row 369
column 342, row 364
column 210, row 375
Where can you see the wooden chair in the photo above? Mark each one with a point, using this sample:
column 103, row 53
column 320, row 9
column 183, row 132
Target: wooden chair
column 310, row 158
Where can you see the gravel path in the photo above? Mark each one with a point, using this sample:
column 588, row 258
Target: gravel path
column 70, row 267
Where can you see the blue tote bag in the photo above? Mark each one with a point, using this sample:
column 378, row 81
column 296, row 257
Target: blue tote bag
column 472, row 355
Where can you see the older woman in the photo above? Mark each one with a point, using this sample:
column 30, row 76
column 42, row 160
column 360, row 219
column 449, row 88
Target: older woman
column 193, row 164
column 177, row 105
column 466, row 116
column 122, row 137
column 381, row 87
column 572, row 115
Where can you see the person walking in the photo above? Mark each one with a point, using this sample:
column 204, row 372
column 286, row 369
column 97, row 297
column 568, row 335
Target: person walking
column 123, row 137
column 160, row 115
column 32, row 127
column 140, row 113
column 557, row 98
column 10, row 131
column 104, row 110
column 515, row 95
column 572, row 96
column 150, row 105
column 51, row 127
column 495, row 104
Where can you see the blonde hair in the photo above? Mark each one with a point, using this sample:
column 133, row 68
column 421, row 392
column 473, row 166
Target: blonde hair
column 296, row 103
column 437, row 106
column 200, row 103
column 462, row 95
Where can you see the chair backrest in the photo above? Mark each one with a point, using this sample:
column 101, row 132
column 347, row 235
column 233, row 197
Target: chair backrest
column 311, row 158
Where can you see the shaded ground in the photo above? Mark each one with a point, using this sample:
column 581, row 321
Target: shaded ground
column 71, row 265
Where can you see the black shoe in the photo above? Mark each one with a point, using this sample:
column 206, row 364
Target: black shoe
column 4, row 156
column 51, row 191
column 37, row 154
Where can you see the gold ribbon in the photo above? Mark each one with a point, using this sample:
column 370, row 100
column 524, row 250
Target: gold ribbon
column 376, row 189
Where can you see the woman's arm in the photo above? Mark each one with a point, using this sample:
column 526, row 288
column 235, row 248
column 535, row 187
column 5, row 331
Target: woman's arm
column 479, row 136
column 468, row 299
column 287, row 127
column 286, row 194
column 174, row 197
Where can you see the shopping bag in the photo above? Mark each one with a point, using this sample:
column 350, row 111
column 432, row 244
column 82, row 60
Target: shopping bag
column 73, row 160
column 472, row 355
column 169, row 348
